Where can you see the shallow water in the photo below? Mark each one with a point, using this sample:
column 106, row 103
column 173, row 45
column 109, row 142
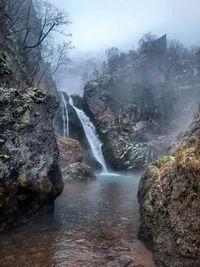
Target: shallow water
column 94, row 224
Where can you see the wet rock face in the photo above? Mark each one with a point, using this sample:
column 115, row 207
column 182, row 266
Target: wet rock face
column 129, row 141
column 30, row 176
column 70, row 150
column 169, row 196
column 136, row 105
column 71, row 161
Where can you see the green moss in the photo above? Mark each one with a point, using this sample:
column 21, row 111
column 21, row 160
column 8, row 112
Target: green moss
column 129, row 108
column 5, row 65
column 20, row 111
column 21, row 197
column 155, row 167
column 156, row 223
column 6, row 119
column 161, row 162
column 4, row 157
column 17, row 104
column 167, row 158
column 37, row 96
column 2, row 200
column 101, row 129
column 108, row 144
column 77, row 100
column 117, row 129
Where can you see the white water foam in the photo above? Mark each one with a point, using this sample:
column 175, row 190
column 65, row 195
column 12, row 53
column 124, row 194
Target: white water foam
column 65, row 116
column 92, row 137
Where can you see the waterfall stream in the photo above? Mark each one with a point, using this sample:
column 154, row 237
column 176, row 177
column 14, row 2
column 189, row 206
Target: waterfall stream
column 65, row 116
column 92, row 137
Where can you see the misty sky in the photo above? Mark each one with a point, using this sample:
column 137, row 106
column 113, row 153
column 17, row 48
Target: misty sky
column 99, row 24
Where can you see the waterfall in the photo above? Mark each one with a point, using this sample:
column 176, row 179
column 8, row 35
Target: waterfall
column 65, row 116
column 92, row 137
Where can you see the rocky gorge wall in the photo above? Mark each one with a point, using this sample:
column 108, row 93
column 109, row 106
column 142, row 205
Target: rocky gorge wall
column 169, row 197
column 30, row 176
column 139, row 109
column 127, row 144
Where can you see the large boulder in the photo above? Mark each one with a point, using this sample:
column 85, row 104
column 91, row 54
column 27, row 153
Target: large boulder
column 30, row 177
column 169, row 196
column 71, row 161
column 70, row 150
column 78, row 172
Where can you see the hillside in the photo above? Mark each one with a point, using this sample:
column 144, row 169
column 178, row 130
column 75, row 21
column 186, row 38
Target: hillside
column 142, row 101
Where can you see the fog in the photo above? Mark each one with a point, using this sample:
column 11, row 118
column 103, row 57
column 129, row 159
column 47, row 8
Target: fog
column 98, row 24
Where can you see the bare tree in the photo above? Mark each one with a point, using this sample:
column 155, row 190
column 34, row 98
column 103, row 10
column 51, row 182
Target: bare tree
column 37, row 22
column 55, row 57
column 112, row 59
column 51, row 20
column 146, row 42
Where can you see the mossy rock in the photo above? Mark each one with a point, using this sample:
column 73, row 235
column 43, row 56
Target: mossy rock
column 20, row 111
column 4, row 157
column 16, row 104
column 5, row 65
column 77, row 101
column 129, row 108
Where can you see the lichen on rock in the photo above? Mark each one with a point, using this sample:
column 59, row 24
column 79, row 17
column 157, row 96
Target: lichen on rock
column 169, row 196
column 30, row 176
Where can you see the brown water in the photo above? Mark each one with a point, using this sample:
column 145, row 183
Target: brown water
column 94, row 224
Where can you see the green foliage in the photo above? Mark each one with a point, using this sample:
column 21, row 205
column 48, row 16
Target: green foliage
column 130, row 107
column 160, row 163
column 156, row 222
column 157, row 168
column 117, row 129
column 77, row 100
column 101, row 129
column 18, row 104
column 5, row 66
column 20, row 111
column 6, row 119
column 4, row 157
column 166, row 158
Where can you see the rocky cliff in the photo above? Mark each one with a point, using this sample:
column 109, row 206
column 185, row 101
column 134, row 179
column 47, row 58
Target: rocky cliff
column 23, row 28
column 169, row 196
column 30, row 177
column 137, row 107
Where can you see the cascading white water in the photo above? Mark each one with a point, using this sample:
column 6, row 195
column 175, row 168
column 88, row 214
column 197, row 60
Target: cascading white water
column 92, row 137
column 65, row 116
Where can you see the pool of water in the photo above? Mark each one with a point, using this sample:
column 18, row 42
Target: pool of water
column 94, row 224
